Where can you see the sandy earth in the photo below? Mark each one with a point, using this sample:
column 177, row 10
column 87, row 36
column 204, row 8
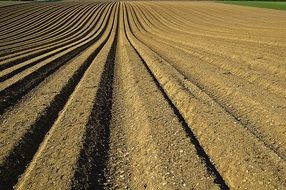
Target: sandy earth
column 142, row 95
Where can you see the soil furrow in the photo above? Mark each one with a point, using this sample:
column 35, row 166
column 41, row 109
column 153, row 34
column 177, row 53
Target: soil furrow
column 11, row 94
column 49, row 29
column 257, row 124
column 63, row 28
column 138, row 157
column 60, row 27
column 13, row 18
column 226, row 64
column 142, row 95
column 32, row 24
column 200, row 151
column 28, row 59
column 25, row 147
column 257, row 57
column 9, row 12
column 63, row 128
column 218, row 153
column 78, row 36
column 224, row 93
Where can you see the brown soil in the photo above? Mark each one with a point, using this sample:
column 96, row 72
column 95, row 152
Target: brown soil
column 142, row 95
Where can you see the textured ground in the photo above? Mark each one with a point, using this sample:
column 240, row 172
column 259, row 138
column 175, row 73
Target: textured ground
column 142, row 95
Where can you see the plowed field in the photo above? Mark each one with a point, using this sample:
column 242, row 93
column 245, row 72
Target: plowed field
column 142, row 95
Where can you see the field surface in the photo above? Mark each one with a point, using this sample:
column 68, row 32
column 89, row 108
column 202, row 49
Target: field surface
column 261, row 4
column 8, row 3
column 142, row 95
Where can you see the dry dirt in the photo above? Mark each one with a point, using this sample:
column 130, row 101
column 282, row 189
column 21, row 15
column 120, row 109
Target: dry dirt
column 142, row 95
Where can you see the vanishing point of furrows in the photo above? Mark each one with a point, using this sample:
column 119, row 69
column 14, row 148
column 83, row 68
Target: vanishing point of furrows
column 142, row 95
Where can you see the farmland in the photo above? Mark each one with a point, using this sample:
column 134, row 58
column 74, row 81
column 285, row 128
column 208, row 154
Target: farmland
column 262, row 4
column 142, row 95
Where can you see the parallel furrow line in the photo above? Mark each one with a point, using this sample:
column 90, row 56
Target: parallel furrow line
column 63, row 27
column 207, row 135
column 27, row 146
column 74, row 32
column 12, row 93
column 36, row 27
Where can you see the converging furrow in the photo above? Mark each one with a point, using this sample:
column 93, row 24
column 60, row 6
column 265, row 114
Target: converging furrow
column 142, row 95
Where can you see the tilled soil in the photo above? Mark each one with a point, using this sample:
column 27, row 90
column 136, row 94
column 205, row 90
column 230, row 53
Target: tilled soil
column 142, row 95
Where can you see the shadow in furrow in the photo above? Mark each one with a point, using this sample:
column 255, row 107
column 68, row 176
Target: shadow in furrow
column 199, row 149
column 23, row 153
column 243, row 122
column 33, row 23
column 69, row 28
column 26, row 58
column 218, row 179
column 90, row 172
column 11, row 95
column 12, row 13
column 49, row 35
